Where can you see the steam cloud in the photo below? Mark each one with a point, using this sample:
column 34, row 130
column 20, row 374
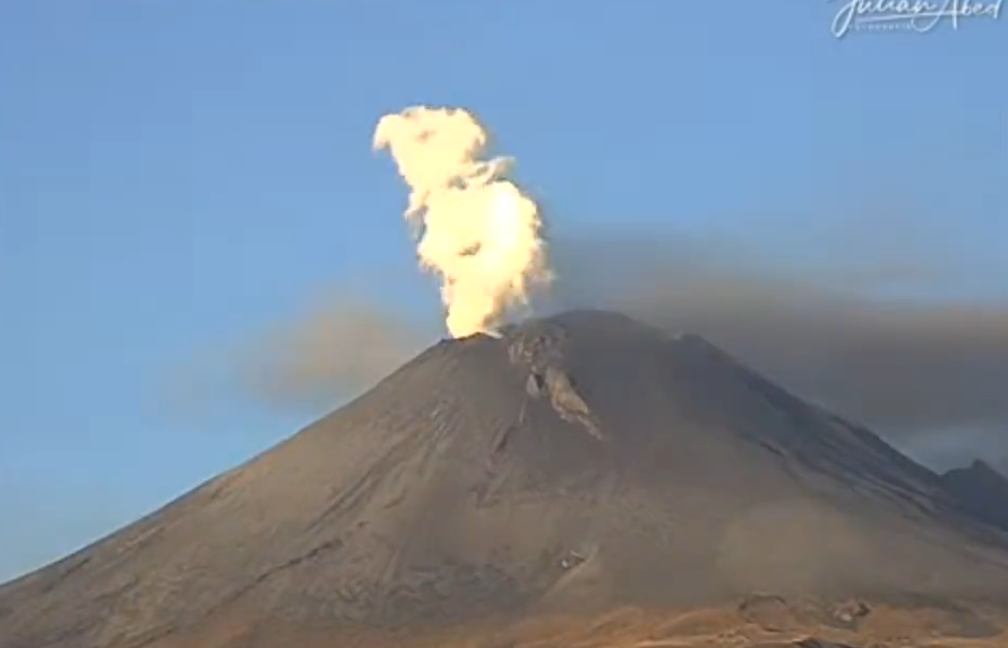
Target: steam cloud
column 478, row 231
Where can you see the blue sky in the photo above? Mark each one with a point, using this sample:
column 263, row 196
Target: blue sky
column 176, row 176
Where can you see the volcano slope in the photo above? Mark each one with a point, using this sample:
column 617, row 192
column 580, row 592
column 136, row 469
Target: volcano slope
column 576, row 464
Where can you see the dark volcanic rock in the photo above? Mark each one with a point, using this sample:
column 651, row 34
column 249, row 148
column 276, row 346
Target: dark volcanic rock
column 981, row 490
column 579, row 462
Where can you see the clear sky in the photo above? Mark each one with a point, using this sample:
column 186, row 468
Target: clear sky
column 179, row 175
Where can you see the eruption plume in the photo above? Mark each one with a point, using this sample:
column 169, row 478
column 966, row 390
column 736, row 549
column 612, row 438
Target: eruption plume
column 476, row 229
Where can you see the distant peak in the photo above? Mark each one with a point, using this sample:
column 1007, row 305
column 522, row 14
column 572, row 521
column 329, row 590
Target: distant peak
column 980, row 464
column 978, row 469
column 982, row 467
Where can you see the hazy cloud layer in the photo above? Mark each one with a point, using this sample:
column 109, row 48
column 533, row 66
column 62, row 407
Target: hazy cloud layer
column 334, row 352
column 836, row 334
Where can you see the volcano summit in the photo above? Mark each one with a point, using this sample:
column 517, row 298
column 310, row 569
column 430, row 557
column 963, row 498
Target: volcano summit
column 578, row 463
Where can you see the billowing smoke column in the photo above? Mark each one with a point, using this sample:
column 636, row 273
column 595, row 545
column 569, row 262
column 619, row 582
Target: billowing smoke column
column 477, row 230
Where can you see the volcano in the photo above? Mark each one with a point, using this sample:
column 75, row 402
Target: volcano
column 574, row 464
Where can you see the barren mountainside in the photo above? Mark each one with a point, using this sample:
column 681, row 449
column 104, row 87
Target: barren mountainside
column 577, row 463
